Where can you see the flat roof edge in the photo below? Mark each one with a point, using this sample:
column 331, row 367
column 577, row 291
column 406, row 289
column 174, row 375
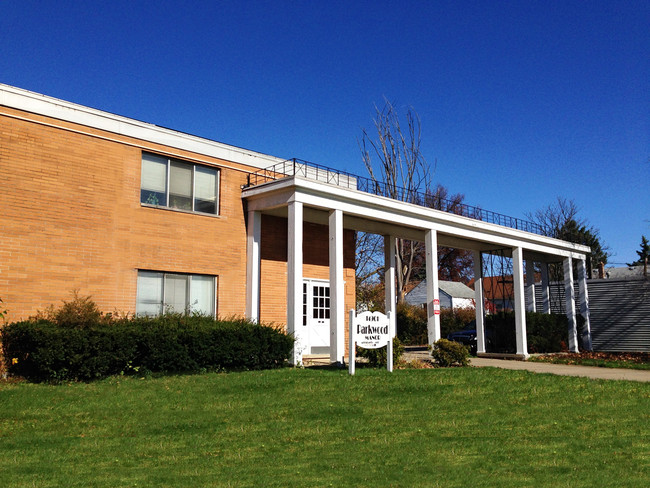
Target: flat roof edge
column 28, row 101
column 430, row 215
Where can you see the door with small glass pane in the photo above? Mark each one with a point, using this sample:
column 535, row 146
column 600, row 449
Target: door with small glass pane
column 316, row 316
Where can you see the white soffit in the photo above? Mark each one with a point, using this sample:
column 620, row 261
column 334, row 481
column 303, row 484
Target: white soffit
column 36, row 103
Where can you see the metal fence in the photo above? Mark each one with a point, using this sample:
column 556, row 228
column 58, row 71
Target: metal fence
column 619, row 312
column 306, row 169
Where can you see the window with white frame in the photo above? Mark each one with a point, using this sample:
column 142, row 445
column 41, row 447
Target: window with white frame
column 180, row 185
column 174, row 292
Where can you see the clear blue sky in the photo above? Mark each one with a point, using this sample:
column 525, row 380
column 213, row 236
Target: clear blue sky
column 520, row 101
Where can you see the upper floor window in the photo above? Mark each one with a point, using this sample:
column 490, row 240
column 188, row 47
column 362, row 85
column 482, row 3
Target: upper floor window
column 177, row 184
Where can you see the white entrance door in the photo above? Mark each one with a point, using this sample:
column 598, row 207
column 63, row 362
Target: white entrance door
column 316, row 316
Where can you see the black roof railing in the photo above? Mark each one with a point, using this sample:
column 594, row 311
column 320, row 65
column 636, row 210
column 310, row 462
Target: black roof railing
column 306, row 169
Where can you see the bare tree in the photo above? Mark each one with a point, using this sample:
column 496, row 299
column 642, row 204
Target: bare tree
column 554, row 216
column 398, row 170
column 396, row 165
column 560, row 220
column 368, row 261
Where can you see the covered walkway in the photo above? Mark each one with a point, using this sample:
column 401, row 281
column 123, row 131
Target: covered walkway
column 299, row 193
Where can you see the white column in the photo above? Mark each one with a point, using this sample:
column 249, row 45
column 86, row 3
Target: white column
column 530, row 285
column 584, row 304
column 433, row 292
column 294, row 279
column 546, row 291
column 389, row 280
column 569, row 293
column 253, row 239
column 389, row 344
column 480, row 304
column 351, row 342
column 337, row 287
column 520, row 302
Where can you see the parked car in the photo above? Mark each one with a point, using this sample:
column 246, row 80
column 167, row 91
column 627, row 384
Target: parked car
column 467, row 336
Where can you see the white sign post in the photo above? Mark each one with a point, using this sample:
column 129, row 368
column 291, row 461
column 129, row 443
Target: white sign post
column 370, row 330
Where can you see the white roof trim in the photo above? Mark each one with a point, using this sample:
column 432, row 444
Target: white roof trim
column 28, row 101
column 402, row 214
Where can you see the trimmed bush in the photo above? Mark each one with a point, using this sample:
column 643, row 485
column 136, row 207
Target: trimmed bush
column 547, row 332
column 449, row 353
column 544, row 332
column 40, row 350
column 377, row 357
column 43, row 351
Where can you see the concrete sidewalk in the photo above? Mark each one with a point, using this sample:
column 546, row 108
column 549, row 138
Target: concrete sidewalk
column 566, row 369
column 560, row 369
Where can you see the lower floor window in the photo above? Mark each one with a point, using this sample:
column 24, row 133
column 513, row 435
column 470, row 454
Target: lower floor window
column 177, row 293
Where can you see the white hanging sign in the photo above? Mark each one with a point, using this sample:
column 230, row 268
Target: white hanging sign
column 370, row 330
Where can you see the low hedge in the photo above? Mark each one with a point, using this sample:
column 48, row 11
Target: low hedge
column 544, row 332
column 41, row 350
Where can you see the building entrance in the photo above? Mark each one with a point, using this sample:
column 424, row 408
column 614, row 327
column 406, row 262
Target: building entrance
column 316, row 316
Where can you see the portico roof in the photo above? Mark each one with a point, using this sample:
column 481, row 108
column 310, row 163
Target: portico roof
column 301, row 192
column 381, row 215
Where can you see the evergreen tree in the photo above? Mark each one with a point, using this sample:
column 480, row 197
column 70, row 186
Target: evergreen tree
column 579, row 233
column 643, row 254
column 560, row 220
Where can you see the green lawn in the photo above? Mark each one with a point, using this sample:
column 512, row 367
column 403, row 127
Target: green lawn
column 435, row 428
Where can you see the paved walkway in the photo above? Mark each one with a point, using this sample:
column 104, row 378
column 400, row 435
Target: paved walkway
column 566, row 369
column 559, row 369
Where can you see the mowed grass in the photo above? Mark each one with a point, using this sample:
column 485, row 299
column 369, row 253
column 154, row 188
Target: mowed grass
column 291, row 427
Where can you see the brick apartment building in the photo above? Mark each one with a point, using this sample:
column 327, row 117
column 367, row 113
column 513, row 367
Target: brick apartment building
column 146, row 219
column 140, row 217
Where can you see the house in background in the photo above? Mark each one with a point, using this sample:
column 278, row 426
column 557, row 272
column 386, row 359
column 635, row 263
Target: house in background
column 626, row 273
column 498, row 292
column 452, row 295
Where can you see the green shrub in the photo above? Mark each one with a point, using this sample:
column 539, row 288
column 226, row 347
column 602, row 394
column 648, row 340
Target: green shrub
column 544, row 332
column 455, row 319
column 500, row 328
column 3, row 312
column 40, row 350
column 412, row 322
column 79, row 313
column 377, row 357
column 43, row 351
column 449, row 353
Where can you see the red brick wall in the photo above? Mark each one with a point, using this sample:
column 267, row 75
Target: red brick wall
column 71, row 219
